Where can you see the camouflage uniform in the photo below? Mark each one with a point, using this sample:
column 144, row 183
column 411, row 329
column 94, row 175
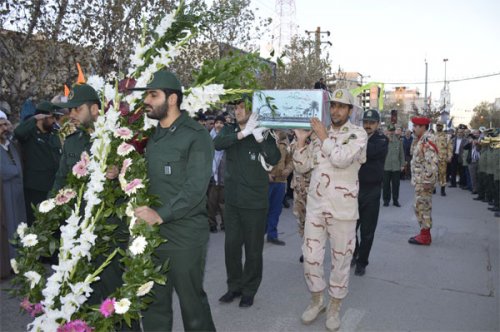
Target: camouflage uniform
column 445, row 152
column 332, row 204
column 300, row 185
column 424, row 170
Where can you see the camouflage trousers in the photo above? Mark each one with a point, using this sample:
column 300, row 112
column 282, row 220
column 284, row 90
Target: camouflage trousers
column 442, row 166
column 299, row 207
column 342, row 236
column 423, row 206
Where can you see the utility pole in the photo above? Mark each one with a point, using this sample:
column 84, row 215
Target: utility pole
column 318, row 42
column 425, row 100
column 445, row 61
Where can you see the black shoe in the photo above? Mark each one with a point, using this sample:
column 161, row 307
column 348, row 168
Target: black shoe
column 386, row 203
column 246, row 301
column 213, row 229
column 276, row 242
column 434, row 191
column 360, row 270
column 286, row 205
column 478, row 198
column 491, row 203
column 301, row 258
column 497, row 214
column 494, row 209
column 353, row 262
column 452, row 186
column 222, row 228
column 229, row 297
column 443, row 192
column 396, row 204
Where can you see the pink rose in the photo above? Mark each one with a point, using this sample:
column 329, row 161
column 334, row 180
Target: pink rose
column 107, row 307
column 131, row 187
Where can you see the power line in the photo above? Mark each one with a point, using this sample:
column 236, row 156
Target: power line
column 448, row 80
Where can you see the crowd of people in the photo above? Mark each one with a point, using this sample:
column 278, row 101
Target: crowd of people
column 223, row 171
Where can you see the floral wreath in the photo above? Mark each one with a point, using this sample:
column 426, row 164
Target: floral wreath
column 59, row 302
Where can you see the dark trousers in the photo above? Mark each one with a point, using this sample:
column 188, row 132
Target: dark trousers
column 391, row 181
column 32, row 196
column 457, row 168
column 481, row 185
column 369, row 206
column 244, row 228
column 276, row 195
column 496, row 194
column 490, row 187
column 185, row 276
column 215, row 204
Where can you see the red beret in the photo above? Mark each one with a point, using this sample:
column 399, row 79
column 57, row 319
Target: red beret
column 421, row 120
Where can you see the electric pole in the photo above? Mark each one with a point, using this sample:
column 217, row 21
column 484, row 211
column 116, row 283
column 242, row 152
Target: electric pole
column 318, row 41
column 426, row 111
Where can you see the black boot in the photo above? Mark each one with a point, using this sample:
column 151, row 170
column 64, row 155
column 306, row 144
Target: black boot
column 443, row 192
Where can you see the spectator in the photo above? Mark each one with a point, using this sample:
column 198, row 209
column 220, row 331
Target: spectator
column 320, row 84
column 394, row 164
column 457, row 167
column 216, row 186
column 407, row 142
column 12, row 207
column 277, row 188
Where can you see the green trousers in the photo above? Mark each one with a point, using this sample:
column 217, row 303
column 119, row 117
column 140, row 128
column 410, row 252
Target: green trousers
column 185, row 276
column 244, row 228
column 481, row 185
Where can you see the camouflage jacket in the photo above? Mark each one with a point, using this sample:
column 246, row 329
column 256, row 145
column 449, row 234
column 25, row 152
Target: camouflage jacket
column 444, row 145
column 424, row 164
column 335, row 164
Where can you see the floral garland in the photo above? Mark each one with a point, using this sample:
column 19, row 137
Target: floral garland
column 59, row 303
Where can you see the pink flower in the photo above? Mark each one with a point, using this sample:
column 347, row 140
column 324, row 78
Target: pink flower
column 131, row 187
column 80, row 169
column 75, row 326
column 26, row 304
column 37, row 309
column 124, row 149
column 126, row 164
column 85, row 158
column 64, row 196
column 124, row 133
column 107, row 307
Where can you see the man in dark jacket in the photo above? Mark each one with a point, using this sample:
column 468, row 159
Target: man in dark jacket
column 246, row 186
column 370, row 180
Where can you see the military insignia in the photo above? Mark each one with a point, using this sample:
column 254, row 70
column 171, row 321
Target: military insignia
column 339, row 94
column 71, row 94
column 345, row 129
column 369, row 113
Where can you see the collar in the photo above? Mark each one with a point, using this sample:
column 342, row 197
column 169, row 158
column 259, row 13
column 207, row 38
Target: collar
column 6, row 145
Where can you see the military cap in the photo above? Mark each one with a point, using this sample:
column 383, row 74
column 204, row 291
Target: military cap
column 80, row 94
column 420, row 120
column 46, row 107
column 342, row 96
column 371, row 115
column 244, row 97
column 162, row 80
column 391, row 127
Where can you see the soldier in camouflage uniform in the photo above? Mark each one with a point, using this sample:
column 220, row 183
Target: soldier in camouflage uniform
column 300, row 185
column 424, row 171
column 445, row 153
column 334, row 157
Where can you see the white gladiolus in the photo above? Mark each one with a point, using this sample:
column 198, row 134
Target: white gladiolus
column 96, row 82
column 122, row 306
column 33, row 277
column 145, row 288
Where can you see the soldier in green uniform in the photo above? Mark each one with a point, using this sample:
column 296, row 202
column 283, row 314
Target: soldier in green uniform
column 246, row 187
column 83, row 103
column 481, row 176
column 179, row 156
column 41, row 154
column 495, row 156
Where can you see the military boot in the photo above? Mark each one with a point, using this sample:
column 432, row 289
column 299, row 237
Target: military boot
column 314, row 308
column 443, row 192
column 333, row 314
column 424, row 238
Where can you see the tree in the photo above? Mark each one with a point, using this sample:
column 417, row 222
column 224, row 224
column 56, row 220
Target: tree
column 302, row 65
column 485, row 115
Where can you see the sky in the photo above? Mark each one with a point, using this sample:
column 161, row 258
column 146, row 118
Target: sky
column 389, row 41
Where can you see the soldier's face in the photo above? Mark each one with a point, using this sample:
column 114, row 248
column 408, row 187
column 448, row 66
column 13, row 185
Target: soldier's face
column 81, row 115
column 241, row 114
column 419, row 130
column 339, row 113
column 155, row 104
column 48, row 123
column 439, row 128
column 460, row 133
column 370, row 126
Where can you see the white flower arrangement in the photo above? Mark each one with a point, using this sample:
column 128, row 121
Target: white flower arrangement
column 33, row 277
column 21, row 229
column 47, row 205
column 30, row 240
column 122, row 306
column 138, row 245
column 144, row 289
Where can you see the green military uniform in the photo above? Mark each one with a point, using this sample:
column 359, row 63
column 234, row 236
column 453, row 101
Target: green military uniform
column 481, row 176
column 179, row 169
column 495, row 151
column 41, row 154
column 394, row 162
column 246, row 199
column 74, row 145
